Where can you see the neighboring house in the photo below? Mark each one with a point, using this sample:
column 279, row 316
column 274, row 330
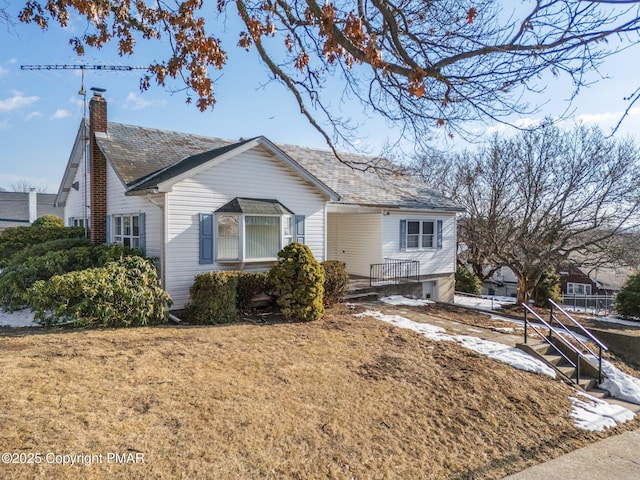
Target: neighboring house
column 502, row 283
column 596, row 281
column 199, row 204
column 574, row 280
column 21, row 209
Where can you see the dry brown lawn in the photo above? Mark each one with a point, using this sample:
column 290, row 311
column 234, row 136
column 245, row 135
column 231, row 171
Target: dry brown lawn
column 342, row 397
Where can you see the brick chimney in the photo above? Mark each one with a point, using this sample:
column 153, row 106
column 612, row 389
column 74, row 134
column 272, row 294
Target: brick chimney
column 98, row 168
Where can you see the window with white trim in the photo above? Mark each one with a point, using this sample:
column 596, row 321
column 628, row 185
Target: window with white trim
column 79, row 222
column 578, row 288
column 126, row 230
column 420, row 234
column 252, row 237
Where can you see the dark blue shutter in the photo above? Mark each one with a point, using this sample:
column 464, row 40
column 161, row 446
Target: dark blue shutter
column 299, row 226
column 206, row 238
column 141, row 232
column 439, row 233
column 403, row 235
column 108, row 229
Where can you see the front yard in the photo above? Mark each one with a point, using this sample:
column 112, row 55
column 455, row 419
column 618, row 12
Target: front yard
column 342, row 397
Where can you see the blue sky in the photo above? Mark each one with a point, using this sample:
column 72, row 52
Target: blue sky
column 40, row 111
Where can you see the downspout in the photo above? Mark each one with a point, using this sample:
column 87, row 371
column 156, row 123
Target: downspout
column 163, row 223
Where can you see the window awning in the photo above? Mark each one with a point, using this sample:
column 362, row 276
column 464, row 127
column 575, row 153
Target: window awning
column 255, row 206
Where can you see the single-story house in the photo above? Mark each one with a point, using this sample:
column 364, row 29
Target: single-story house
column 21, row 209
column 200, row 203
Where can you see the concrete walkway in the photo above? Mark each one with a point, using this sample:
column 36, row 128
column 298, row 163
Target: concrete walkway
column 614, row 458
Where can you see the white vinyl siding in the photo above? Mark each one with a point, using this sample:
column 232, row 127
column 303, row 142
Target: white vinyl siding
column 432, row 260
column 74, row 206
column 252, row 174
column 119, row 204
column 356, row 240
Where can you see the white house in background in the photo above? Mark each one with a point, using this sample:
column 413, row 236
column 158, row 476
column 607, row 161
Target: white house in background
column 21, row 209
column 199, row 204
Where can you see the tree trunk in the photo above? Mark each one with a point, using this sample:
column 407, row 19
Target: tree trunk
column 523, row 289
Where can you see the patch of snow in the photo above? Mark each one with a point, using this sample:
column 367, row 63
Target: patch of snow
column 19, row 318
column 400, row 300
column 497, row 351
column 595, row 415
column 504, row 329
column 483, row 303
column 619, row 321
column 619, row 384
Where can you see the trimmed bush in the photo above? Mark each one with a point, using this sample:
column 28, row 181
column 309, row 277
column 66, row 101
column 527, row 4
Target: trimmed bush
column 212, row 298
column 467, row 281
column 336, row 282
column 124, row 293
column 628, row 298
column 298, row 279
column 49, row 221
column 250, row 284
column 16, row 239
column 548, row 287
column 17, row 278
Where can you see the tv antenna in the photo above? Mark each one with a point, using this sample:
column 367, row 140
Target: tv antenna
column 116, row 68
column 82, row 68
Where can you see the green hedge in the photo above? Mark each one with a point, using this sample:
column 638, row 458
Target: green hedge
column 298, row 279
column 124, row 293
column 212, row 298
column 17, row 278
column 46, row 247
column 15, row 239
column 336, row 282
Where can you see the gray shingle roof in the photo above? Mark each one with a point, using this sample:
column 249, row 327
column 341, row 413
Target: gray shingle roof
column 136, row 153
column 254, row 206
column 14, row 207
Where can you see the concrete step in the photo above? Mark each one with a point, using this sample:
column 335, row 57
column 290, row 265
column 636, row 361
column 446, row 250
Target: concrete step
column 556, row 360
column 361, row 297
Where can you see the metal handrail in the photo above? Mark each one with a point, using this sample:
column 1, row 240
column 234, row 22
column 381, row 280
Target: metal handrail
column 579, row 354
column 573, row 335
column 587, row 332
column 601, row 346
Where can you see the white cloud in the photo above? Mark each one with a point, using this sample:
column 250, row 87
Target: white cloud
column 60, row 113
column 135, row 102
column 605, row 116
column 17, row 101
column 33, row 115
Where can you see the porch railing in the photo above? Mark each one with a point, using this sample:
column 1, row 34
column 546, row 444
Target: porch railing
column 393, row 271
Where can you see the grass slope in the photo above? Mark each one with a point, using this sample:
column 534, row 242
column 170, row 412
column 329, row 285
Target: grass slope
column 342, row 397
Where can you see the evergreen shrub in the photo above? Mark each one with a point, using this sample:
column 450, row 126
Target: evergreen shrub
column 548, row 287
column 298, row 280
column 467, row 281
column 212, row 298
column 336, row 282
column 16, row 239
column 628, row 298
column 123, row 293
column 17, row 278
column 49, row 221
